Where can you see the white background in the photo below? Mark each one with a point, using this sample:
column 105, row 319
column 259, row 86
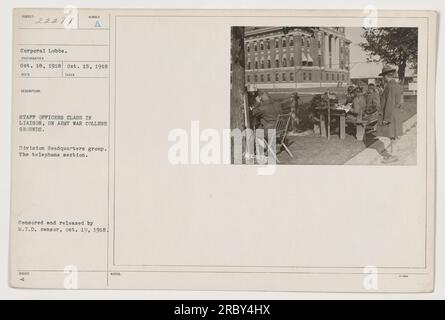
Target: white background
column 5, row 136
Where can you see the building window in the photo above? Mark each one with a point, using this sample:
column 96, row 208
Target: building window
column 291, row 41
column 248, row 65
column 261, row 45
column 268, row 77
column 284, row 62
column 269, row 63
column 310, row 76
column 248, row 78
column 338, row 77
column 302, row 41
column 277, row 63
column 276, row 43
column 308, row 42
column 268, row 44
column 284, row 76
column 327, row 76
column 262, row 64
column 256, row 78
column 291, row 76
column 319, row 61
column 256, row 64
column 255, row 46
column 319, row 44
column 262, row 78
column 304, row 76
column 283, row 42
column 332, row 78
column 248, row 47
column 292, row 61
column 343, row 77
column 277, row 77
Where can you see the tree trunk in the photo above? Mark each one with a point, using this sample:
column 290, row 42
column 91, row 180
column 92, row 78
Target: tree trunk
column 238, row 82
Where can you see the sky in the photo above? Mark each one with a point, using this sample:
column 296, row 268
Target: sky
column 360, row 68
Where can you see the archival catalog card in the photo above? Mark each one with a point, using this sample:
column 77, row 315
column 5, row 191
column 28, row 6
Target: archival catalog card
column 223, row 150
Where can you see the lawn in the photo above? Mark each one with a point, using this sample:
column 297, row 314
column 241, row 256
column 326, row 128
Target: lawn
column 313, row 149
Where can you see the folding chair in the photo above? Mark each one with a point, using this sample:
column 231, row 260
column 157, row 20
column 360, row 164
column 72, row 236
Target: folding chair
column 281, row 130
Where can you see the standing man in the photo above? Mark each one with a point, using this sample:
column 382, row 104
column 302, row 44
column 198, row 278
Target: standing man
column 294, row 112
column 390, row 122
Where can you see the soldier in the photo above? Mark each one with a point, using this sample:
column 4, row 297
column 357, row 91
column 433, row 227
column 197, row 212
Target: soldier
column 266, row 111
column 390, row 122
column 294, row 113
column 372, row 99
column 350, row 94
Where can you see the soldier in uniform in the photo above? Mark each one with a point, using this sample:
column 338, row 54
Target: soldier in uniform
column 294, row 112
column 390, row 122
column 372, row 99
column 266, row 111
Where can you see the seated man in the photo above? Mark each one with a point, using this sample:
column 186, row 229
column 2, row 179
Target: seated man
column 266, row 111
column 358, row 102
column 372, row 99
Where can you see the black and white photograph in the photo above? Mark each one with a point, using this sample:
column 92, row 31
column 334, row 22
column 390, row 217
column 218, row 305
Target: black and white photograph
column 258, row 151
column 330, row 95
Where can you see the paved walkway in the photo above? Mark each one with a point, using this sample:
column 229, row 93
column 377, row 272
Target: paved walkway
column 406, row 149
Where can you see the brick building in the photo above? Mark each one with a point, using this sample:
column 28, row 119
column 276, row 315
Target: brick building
column 296, row 57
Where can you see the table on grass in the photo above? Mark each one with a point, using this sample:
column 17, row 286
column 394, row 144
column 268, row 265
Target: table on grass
column 362, row 122
column 325, row 124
